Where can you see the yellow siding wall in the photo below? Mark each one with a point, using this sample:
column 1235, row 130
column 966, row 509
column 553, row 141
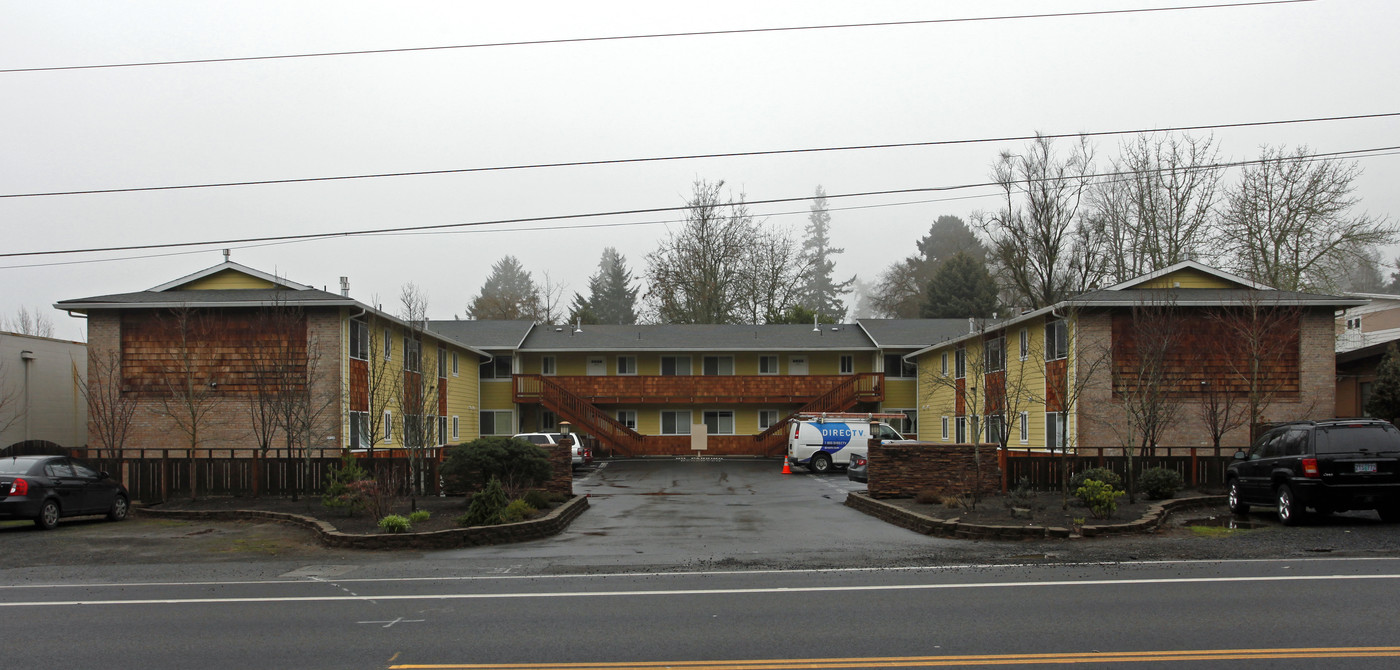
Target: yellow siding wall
column 226, row 279
column 902, row 392
column 463, row 396
column 1025, row 382
column 1189, row 278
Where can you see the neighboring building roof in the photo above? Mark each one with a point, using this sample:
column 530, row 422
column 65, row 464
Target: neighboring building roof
column 231, row 267
column 242, row 297
column 485, row 334
column 698, row 337
column 1371, row 350
column 911, row 333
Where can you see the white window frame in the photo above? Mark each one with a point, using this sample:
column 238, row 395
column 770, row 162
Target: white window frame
column 388, row 426
column 495, row 421
column 945, row 429
column 359, row 428
column 1025, row 344
column 631, row 365
column 960, row 428
column 771, row 371
column 944, row 370
column 455, row 369
column 1052, row 340
column 442, row 362
column 719, row 420
column 994, row 354
column 960, row 364
column 627, row 417
column 359, row 335
column 719, row 366
column 676, row 364
column 1055, row 423
column 680, row 425
column 847, row 364
column 388, row 344
column 776, row 417
column 1025, row 427
column 549, row 366
column 456, row 427
column 495, row 364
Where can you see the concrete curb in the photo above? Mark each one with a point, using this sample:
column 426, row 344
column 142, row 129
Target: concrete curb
column 1153, row 518
column 553, row 523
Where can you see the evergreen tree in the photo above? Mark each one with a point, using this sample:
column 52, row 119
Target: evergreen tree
column 1385, row 392
column 900, row 291
column 509, row 293
column 961, row 287
column 800, row 314
column 582, row 311
column 821, row 294
column 611, row 297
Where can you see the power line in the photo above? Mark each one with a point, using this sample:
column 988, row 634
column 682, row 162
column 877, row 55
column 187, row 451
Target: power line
column 697, row 33
column 732, row 154
column 1336, row 155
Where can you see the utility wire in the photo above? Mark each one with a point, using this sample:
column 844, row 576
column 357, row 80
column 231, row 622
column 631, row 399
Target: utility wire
column 698, row 33
column 1336, row 155
column 732, row 154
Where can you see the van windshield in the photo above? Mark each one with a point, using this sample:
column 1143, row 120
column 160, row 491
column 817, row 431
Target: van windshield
column 1370, row 437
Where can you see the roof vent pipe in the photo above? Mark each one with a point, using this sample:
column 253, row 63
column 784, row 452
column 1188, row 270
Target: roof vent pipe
column 345, row 287
column 971, row 325
column 815, row 327
column 578, row 325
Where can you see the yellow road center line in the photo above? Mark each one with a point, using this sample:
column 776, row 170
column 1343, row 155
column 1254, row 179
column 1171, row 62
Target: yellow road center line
column 944, row 661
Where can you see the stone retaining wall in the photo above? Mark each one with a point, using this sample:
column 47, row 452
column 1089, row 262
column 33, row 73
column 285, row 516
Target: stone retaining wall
column 553, row 523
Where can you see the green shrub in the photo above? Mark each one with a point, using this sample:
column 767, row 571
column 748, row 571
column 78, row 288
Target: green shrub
column 1098, row 474
column 536, row 499
column 517, row 510
column 517, row 464
column 394, row 524
column 348, row 486
column 1159, row 483
column 419, row 516
column 1101, row 498
column 486, row 505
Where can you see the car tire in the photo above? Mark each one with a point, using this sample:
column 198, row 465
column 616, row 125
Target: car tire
column 120, row 508
column 1290, row 513
column 48, row 515
column 820, row 464
column 1236, row 505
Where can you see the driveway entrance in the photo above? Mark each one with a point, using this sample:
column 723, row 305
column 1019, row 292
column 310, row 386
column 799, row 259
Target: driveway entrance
column 713, row 512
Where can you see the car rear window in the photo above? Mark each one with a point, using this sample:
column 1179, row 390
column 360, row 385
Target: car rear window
column 1361, row 437
column 15, row 466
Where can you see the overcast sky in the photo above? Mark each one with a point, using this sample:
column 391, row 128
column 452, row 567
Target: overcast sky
column 416, row 111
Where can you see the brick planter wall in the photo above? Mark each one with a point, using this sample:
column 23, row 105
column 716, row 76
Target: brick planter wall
column 561, row 459
column 903, row 470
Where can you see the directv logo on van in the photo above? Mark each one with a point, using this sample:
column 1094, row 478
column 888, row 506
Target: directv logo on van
column 835, row 434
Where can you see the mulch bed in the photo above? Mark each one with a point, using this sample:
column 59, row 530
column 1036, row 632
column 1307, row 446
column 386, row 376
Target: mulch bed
column 1046, row 509
column 445, row 510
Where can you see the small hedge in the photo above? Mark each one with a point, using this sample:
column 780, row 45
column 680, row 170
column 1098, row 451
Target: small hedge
column 1159, row 483
column 1096, row 474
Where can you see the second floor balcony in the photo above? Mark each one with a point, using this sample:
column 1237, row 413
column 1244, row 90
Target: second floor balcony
column 698, row 389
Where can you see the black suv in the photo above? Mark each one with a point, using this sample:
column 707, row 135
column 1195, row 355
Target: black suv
column 1330, row 466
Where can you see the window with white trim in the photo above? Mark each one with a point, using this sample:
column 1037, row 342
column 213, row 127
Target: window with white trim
column 388, row 426
column 1025, row 344
column 717, row 365
column 548, row 365
column 359, row 339
column 898, row 368
column 944, row 367
column 456, row 428
column 675, row 365
column 627, row 365
column 442, row 430
column 675, row 422
column 961, row 424
column 359, row 430
column 719, row 422
column 627, row 417
column 848, row 364
column 500, row 367
column 768, row 365
column 995, row 428
column 1025, row 427
column 1056, row 340
column 497, row 422
column 1055, row 436
column 767, row 418
column 455, row 369
column 960, row 364
column 412, row 354
column 945, row 429
column 388, row 344
column 994, row 353
column 442, row 365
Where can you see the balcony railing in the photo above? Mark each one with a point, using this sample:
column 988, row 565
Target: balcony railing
column 693, row 389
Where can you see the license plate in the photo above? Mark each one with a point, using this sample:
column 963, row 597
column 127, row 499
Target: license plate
column 1365, row 467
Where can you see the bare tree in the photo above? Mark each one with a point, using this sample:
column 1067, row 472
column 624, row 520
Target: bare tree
column 1219, row 408
column 776, row 274
column 1259, row 341
column 1072, row 365
column 418, row 392
column 1159, row 207
column 109, row 409
column 189, row 373
column 964, row 382
column 1034, row 245
column 697, row 273
column 1291, row 217
column 11, row 404
column 25, row 322
column 282, row 356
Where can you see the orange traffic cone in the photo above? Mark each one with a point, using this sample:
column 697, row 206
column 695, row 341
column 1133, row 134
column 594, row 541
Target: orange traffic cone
column 787, row 469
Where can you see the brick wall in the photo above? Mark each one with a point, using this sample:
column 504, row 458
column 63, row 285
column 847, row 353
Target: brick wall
column 903, row 470
column 561, row 458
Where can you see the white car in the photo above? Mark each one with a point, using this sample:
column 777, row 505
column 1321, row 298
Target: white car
column 581, row 455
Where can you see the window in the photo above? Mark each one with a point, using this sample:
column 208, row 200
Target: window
column 1056, row 340
column 82, row 470
column 943, row 370
column 414, row 427
column 897, row 367
column 456, row 428
column 945, row 429
column 388, row 426
column 719, row 422
column 627, row 417
column 908, row 425
column 627, row 365
column 1025, row 344
column 548, row 366
column 675, row 365
column 996, row 431
column 768, row 365
column 455, row 369
column 718, row 365
column 549, row 421
column 359, row 339
column 412, row 354
column 359, row 430
column 388, row 344
column 497, row 422
column 442, row 363
column 961, row 423
column 960, row 364
column 58, row 469
column 1025, row 422
column 499, row 367
column 1055, row 437
column 848, row 364
column 994, row 353
column 767, row 418
column 675, row 422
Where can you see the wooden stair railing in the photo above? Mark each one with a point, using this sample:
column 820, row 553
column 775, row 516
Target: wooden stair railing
column 866, row 386
column 584, row 414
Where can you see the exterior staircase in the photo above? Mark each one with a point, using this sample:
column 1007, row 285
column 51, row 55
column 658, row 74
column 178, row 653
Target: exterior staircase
column 864, row 387
column 578, row 411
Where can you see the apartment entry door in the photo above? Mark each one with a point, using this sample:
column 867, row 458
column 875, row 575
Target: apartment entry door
column 797, row 365
column 597, row 365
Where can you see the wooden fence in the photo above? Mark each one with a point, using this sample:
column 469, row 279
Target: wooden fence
column 1198, row 467
column 154, row 479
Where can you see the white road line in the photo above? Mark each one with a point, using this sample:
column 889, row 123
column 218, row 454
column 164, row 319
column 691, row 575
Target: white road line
column 705, row 592
column 498, row 576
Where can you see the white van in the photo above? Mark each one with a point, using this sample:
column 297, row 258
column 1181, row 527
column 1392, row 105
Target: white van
column 821, row 442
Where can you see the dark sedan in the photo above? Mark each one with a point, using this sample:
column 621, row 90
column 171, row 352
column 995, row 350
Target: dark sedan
column 856, row 471
column 45, row 488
